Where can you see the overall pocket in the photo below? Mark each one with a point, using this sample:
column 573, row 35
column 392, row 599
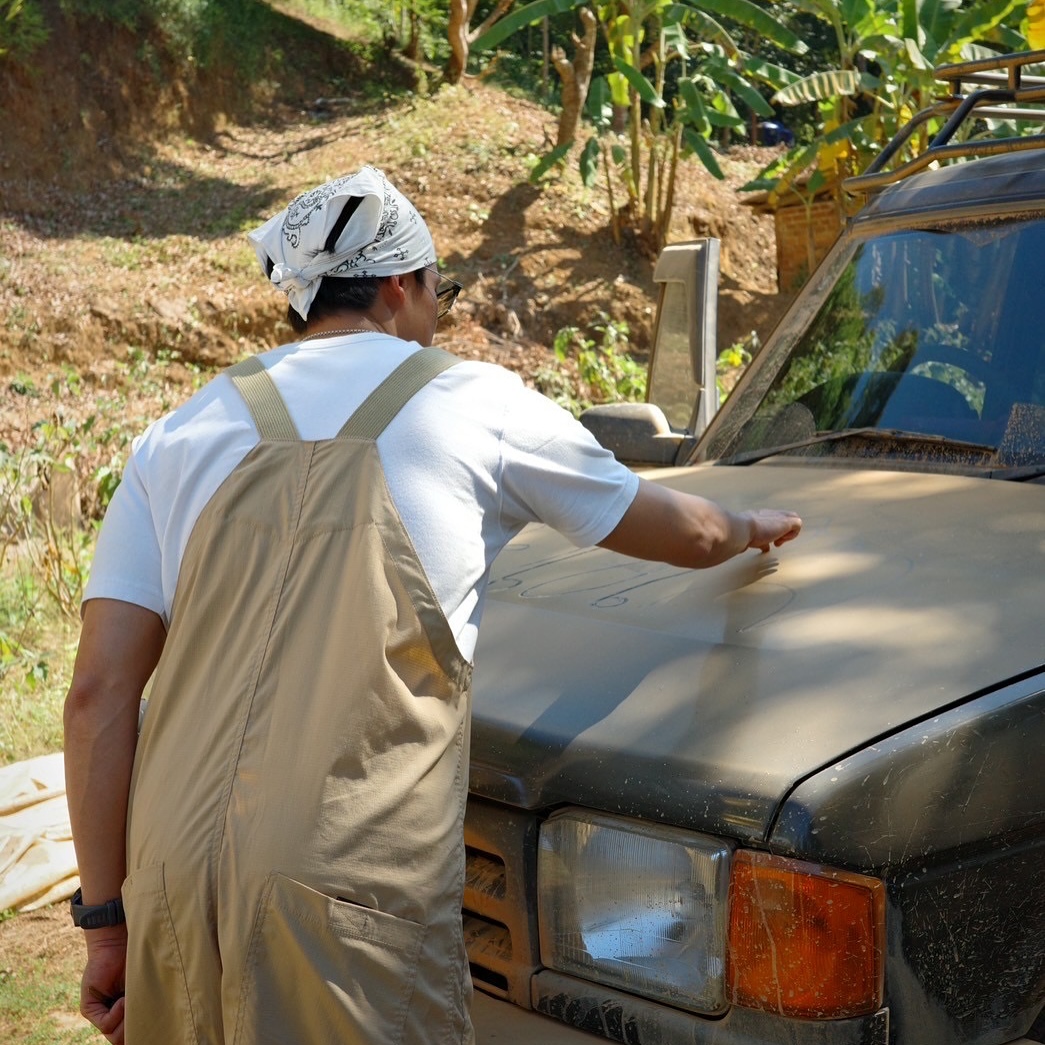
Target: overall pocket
column 321, row 970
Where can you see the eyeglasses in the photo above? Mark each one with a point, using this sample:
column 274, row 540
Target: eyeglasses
column 446, row 291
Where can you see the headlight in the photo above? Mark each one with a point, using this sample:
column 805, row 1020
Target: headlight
column 635, row 906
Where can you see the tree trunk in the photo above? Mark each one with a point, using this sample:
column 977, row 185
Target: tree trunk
column 458, row 34
column 575, row 76
column 461, row 36
column 412, row 50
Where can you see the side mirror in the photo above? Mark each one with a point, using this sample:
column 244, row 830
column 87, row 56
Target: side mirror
column 681, row 385
column 637, row 433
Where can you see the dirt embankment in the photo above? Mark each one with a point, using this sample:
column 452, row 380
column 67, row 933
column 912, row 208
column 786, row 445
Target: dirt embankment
column 125, row 190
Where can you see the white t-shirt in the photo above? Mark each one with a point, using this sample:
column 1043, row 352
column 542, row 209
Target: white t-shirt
column 471, row 459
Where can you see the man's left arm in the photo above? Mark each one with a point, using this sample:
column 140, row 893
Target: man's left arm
column 120, row 644
column 685, row 530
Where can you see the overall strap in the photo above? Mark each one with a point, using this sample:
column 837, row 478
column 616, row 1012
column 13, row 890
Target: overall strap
column 263, row 400
column 378, row 409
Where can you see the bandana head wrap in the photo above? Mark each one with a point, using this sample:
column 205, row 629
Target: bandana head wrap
column 358, row 225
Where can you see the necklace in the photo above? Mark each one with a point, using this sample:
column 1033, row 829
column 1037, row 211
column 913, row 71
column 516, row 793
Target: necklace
column 334, row 333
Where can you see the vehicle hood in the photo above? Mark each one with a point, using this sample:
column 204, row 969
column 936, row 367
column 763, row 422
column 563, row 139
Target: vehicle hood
column 701, row 697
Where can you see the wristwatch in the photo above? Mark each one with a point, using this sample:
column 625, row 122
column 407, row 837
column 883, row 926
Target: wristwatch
column 96, row 916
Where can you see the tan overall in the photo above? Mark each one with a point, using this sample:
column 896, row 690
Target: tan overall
column 295, row 845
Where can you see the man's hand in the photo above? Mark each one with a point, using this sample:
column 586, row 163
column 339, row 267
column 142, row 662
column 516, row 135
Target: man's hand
column 101, row 990
column 770, row 527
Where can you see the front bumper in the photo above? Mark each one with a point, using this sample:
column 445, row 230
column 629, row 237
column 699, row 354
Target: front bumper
column 501, row 1023
column 619, row 1017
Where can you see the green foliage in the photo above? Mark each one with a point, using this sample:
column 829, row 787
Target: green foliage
column 49, row 518
column 756, row 19
column 371, row 19
column 825, row 85
column 131, row 14
column 419, row 27
column 22, row 28
column 547, row 162
column 37, row 498
column 204, row 32
column 880, row 75
column 593, row 370
column 519, row 19
column 589, row 163
column 519, row 67
column 18, row 601
column 675, row 76
column 838, row 342
column 732, row 362
column 54, row 489
column 36, row 654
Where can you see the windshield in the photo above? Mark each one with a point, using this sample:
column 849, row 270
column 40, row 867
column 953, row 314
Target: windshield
column 939, row 334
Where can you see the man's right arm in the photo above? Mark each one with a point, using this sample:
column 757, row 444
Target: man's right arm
column 669, row 526
column 120, row 644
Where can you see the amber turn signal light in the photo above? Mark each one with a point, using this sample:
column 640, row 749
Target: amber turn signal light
column 804, row 940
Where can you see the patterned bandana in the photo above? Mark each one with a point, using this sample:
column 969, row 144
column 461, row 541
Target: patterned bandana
column 358, row 225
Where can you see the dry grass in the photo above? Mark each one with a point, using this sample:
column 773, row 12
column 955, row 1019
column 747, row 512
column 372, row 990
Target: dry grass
column 41, row 958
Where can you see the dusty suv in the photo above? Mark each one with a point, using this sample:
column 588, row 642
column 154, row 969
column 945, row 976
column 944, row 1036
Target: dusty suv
column 799, row 798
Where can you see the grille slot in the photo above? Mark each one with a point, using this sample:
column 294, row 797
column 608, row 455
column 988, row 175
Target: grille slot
column 499, row 915
column 489, row 946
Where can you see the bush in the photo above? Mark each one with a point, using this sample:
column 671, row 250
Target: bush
column 593, row 371
column 22, row 28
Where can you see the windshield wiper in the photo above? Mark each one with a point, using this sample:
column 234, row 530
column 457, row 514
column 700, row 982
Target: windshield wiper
column 882, row 435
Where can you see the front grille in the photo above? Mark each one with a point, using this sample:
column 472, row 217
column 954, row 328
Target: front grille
column 500, row 891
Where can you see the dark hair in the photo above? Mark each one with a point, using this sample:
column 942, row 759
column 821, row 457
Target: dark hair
column 335, row 293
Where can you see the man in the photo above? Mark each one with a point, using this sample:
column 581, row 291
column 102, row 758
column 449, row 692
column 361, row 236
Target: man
column 300, row 554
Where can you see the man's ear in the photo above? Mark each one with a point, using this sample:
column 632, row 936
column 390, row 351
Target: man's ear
column 393, row 292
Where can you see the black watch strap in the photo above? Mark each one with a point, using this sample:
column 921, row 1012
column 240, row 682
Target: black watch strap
column 96, row 916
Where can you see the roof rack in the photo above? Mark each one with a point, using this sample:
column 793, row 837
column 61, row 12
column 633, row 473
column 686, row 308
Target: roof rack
column 1002, row 86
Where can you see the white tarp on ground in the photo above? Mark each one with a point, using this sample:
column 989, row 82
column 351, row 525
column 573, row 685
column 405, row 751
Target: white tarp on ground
column 37, row 861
